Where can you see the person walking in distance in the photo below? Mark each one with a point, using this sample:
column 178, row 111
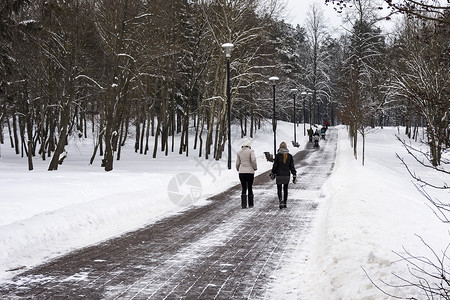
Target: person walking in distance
column 316, row 138
column 283, row 166
column 310, row 134
column 246, row 166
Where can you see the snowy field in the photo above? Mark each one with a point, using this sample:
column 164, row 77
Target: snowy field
column 368, row 213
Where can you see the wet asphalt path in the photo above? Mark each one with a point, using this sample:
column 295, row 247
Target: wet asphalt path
column 217, row 251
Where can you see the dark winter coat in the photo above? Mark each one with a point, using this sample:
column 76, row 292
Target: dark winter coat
column 283, row 169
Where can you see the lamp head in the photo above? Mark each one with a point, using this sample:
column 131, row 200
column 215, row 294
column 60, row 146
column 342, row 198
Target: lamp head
column 227, row 47
column 274, row 80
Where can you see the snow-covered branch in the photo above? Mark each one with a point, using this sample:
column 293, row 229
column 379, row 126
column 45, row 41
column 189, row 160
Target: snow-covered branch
column 81, row 76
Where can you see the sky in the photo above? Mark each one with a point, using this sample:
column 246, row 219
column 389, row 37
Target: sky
column 296, row 11
column 365, row 215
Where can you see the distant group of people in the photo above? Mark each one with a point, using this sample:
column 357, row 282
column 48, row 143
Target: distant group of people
column 282, row 168
column 315, row 136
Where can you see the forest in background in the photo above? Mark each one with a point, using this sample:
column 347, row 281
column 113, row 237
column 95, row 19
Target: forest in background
column 105, row 69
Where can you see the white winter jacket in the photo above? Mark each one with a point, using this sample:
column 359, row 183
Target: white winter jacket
column 246, row 161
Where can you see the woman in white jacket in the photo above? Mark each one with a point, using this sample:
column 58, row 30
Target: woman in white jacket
column 246, row 166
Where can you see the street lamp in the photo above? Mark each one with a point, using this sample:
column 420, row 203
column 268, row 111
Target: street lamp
column 295, row 122
column 305, row 94
column 304, row 123
column 310, row 109
column 274, row 80
column 227, row 47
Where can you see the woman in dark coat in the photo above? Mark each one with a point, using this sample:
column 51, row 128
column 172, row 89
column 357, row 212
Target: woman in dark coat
column 283, row 166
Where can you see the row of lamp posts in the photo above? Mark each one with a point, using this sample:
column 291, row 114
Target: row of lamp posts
column 227, row 47
column 274, row 80
column 304, row 94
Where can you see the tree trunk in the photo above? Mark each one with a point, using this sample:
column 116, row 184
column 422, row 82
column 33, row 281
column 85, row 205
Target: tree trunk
column 16, row 136
column 141, row 149
column 187, row 121
column 91, row 161
column 138, row 134
column 147, row 134
column 10, row 135
column 30, row 139
column 172, row 122
column 2, row 137
column 202, row 126
column 109, row 156
column 252, row 120
column 210, row 127
column 197, row 128
column 100, row 138
column 155, row 147
column 363, row 146
column 119, row 145
column 62, row 139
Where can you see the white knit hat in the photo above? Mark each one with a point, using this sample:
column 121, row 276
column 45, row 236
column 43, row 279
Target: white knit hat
column 246, row 142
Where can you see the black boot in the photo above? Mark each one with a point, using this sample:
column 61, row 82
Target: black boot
column 285, row 196
column 250, row 200
column 281, row 203
column 244, row 201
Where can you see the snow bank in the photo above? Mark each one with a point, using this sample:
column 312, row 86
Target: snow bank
column 369, row 213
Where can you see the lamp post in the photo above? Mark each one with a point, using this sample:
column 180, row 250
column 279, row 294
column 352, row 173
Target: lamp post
column 304, row 123
column 227, row 47
column 295, row 122
column 310, row 109
column 274, row 80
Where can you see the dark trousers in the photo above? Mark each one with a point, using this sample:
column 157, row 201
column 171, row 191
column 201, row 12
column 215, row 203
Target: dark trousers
column 285, row 190
column 247, row 183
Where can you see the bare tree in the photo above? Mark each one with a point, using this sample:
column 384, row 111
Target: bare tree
column 421, row 78
column 433, row 10
column 360, row 85
column 236, row 22
column 317, row 69
column 157, row 65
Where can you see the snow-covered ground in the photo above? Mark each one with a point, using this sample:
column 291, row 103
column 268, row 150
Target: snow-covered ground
column 371, row 214
column 368, row 212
